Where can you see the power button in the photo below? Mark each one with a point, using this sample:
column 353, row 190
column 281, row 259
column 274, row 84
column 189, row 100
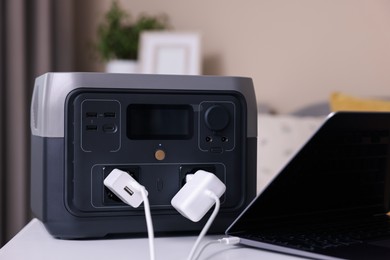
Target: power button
column 159, row 154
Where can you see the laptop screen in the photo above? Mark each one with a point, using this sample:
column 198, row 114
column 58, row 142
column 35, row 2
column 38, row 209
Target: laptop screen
column 342, row 171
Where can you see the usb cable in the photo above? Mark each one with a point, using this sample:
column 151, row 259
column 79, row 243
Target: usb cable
column 225, row 241
column 207, row 225
column 132, row 193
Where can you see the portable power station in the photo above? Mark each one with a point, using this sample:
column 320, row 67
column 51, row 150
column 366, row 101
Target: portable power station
column 157, row 128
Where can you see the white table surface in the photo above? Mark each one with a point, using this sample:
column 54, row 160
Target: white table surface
column 33, row 242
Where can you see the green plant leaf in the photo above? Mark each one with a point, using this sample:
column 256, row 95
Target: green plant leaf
column 118, row 38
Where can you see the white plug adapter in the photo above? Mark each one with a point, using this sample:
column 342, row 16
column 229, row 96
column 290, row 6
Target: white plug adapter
column 193, row 200
column 125, row 187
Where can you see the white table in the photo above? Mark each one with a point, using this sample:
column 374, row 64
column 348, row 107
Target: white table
column 33, row 242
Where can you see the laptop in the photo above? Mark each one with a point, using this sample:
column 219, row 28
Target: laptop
column 331, row 200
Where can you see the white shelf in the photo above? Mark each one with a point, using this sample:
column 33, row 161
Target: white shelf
column 33, row 242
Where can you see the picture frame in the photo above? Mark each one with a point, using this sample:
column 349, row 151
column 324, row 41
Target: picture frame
column 167, row 52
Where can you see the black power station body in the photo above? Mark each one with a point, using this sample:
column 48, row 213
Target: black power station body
column 158, row 128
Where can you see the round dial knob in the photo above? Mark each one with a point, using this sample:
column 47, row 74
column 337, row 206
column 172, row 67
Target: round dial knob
column 217, row 118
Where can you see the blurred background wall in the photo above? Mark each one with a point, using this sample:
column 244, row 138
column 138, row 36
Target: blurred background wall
column 297, row 51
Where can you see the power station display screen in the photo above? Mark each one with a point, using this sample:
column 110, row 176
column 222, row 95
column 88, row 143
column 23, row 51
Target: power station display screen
column 152, row 122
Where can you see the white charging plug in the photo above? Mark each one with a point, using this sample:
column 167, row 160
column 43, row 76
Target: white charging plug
column 196, row 197
column 131, row 192
column 193, row 200
column 125, row 187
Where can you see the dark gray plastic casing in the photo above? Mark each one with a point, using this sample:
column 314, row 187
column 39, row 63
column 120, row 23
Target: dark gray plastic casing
column 67, row 193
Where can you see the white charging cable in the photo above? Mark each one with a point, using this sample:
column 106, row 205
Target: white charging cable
column 132, row 193
column 225, row 241
column 207, row 225
column 149, row 223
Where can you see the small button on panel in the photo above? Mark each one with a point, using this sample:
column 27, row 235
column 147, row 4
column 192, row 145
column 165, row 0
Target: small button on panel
column 216, row 149
column 159, row 155
column 217, row 121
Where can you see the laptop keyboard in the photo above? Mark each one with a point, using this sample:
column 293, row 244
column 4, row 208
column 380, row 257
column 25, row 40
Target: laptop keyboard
column 323, row 237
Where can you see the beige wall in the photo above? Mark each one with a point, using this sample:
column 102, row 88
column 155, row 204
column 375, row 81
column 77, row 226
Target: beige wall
column 297, row 51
